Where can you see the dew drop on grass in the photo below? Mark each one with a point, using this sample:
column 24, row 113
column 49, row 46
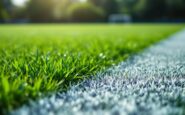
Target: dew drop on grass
column 101, row 55
column 65, row 55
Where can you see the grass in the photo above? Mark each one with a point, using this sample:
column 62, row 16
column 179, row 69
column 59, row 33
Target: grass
column 36, row 60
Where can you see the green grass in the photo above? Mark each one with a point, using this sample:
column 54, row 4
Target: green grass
column 36, row 60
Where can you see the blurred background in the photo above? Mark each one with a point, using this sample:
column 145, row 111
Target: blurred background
column 113, row 11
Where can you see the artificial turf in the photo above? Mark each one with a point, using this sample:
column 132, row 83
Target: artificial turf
column 36, row 60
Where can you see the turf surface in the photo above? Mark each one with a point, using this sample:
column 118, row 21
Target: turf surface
column 151, row 82
column 36, row 60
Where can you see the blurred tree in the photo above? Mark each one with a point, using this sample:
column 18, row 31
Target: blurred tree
column 109, row 6
column 61, row 8
column 127, row 6
column 57, row 10
column 1, row 9
column 139, row 9
column 175, row 8
column 85, row 12
column 150, row 9
column 5, row 9
column 40, row 10
column 19, row 13
column 156, row 9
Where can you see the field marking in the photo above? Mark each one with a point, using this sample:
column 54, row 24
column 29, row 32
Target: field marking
column 148, row 83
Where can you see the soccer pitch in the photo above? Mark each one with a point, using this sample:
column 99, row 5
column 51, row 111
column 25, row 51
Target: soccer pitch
column 37, row 60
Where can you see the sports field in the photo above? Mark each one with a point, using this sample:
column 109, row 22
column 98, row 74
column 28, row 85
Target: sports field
column 38, row 60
